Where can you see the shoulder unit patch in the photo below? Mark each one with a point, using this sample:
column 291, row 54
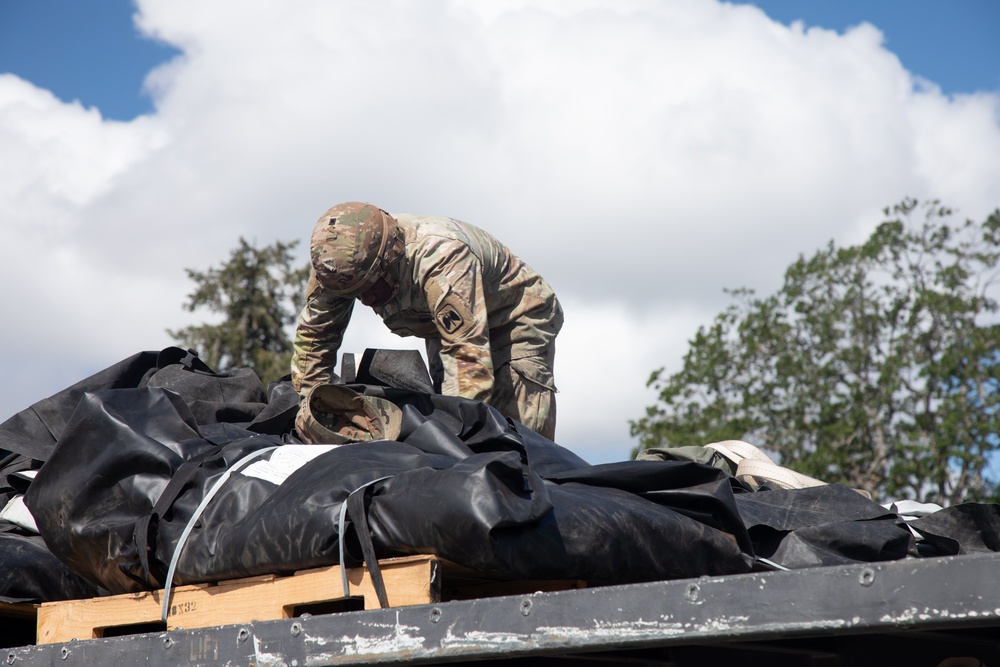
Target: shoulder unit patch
column 450, row 319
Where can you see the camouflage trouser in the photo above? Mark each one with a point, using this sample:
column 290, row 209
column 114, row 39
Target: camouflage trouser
column 529, row 402
column 523, row 389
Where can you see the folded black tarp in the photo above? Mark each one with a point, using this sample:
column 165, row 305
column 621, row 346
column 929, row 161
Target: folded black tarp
column 822, row 525
column 211, row 461
column 481, row 502
column 29, row 572
column 236, row 397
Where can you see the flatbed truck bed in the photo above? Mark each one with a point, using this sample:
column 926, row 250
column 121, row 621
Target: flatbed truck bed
column 940, row 612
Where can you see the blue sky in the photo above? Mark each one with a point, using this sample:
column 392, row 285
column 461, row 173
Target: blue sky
column 90, row 51
column 955, row 44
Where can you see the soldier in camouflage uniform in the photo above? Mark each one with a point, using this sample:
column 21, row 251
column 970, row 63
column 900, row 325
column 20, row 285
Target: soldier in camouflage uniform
column 488, row 320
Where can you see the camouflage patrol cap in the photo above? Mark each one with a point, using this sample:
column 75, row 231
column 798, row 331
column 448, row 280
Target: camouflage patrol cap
column 352, row 245
column 336, row 414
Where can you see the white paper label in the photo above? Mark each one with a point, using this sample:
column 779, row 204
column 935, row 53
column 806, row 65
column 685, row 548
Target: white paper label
column 284, row 461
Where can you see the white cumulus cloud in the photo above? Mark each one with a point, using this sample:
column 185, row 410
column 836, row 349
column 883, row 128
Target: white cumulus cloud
column 641, row 155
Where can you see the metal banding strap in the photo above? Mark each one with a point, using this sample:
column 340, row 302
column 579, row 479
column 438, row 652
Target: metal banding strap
column 236, row 467
column 147, row 524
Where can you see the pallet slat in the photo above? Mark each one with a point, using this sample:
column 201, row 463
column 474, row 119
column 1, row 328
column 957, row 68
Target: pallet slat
column 408, row 581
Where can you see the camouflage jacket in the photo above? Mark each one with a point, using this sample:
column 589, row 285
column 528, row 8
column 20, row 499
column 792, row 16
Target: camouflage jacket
column 476, row 304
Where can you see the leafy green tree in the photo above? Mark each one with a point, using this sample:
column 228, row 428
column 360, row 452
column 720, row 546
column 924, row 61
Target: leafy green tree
column 875, row 365
column 259, row 293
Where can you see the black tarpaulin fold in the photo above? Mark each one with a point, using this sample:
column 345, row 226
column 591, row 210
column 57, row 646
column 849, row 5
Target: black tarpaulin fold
column 461, row 481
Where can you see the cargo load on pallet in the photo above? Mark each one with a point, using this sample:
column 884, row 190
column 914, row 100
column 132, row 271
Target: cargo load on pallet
column 160, row 473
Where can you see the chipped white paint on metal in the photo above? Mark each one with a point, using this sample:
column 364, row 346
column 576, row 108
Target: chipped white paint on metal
column 404, row 638
column 483, row 638
column 266, row 659
column 914, row 613
column 720, row 624
column 572, row 634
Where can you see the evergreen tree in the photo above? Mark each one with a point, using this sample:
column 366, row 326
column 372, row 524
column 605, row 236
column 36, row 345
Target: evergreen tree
column 258, row 293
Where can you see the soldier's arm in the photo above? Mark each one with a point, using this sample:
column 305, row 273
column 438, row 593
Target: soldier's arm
column 455, row 295
column 318, row 336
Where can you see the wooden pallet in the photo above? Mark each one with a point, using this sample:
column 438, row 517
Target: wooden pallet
column 408, row 581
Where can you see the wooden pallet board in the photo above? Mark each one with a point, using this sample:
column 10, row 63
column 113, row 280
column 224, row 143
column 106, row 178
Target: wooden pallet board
column 408, row 581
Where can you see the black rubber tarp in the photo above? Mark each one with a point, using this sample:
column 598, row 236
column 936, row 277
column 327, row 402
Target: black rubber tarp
column 160, row 448
column 29, row 572
column 477, row 501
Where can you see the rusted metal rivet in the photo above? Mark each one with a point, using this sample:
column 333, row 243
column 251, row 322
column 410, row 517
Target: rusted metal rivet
column 525, row 607
column 435, row 615
column 243, row 634
column 867, row 577
column 691, row 592
column 296, row 629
